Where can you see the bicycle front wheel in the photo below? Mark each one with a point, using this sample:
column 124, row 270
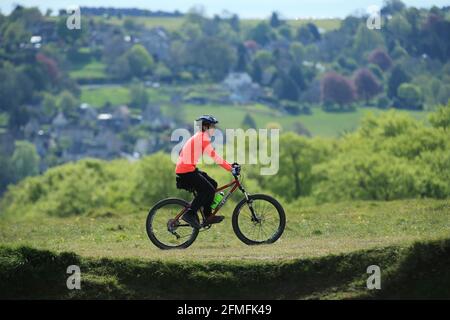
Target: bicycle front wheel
column 260, row 220
column 164, row 231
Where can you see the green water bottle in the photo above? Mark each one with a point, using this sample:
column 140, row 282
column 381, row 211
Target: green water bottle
column 217, row 198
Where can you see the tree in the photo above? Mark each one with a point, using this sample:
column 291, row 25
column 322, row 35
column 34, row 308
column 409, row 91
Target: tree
column 256, row 72
column 366, row 84
column 409, row 97
column 120, row 69
column 286, row 32
column 140, row 61
column 366, row 40
column 241, row 65
column 10, row 93
column 261, row 33
column 308, row 34
column 296, row 73
column 162, row 72
column 13, row 35
column 441, row 117
column 397, row 77
column 50, row 66
column 248, row 122
column 6, row 173
column 297, row 51
column 264, row 58
column 286, row 88
column 434, row 37
column 275, row 21
column 130, row 24
column 214, row 56
column 300, row 129
column 70, row 36
column 68, row 104
column 295, row 176
column 138, row 96
column 380, row 58
column 25, row 160
column 392, row 6
column 399, row 28
column 337, row 89
column 235, row 23
column 154, row 172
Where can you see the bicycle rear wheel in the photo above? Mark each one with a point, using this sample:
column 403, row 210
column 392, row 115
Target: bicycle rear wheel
column 165, row 232
column 260, row 220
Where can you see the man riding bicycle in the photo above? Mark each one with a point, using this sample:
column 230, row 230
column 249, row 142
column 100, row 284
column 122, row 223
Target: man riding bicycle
column 191, row 178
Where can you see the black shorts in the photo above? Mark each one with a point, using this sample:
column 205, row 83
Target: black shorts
column 196, row 180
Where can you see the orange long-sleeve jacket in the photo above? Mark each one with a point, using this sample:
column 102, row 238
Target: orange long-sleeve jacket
column 197, row 145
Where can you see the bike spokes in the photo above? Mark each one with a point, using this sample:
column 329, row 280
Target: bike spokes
column 259, row 220
column 166, row 229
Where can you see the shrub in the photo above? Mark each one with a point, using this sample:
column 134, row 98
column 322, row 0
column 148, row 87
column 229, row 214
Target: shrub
column 337, row 89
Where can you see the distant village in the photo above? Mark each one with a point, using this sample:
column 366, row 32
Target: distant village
column 102, row 132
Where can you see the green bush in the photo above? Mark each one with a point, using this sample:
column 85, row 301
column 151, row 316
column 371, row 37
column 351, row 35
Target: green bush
column 391, row 156
column 409, row 97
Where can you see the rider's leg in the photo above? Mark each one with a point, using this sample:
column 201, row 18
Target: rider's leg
column 211, row 190
column 207, row 206
column 205, row 194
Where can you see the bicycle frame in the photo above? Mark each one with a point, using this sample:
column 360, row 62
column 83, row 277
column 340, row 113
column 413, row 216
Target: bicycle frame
column 235, row 184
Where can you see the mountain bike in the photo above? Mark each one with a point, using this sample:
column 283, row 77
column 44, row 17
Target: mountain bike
column 256, row 219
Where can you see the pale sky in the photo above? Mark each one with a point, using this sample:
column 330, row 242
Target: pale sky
column 245, row 8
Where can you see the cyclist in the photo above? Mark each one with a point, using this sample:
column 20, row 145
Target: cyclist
column 189, row 177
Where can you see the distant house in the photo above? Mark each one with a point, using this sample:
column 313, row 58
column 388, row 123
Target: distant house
column 121, row 116
column 241, row 87
column 60, row 121
column 157, row 43
column 88, row 113
column 42, row 143
column 31, row 128
column 142, row 146
column 106, row 144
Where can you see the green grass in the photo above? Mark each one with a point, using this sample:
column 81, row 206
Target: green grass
column 417, row 271
column 175, row 24
column 116, row 95
column 311, row 231
column 93, row 70
column 168, row 23
column 325, row 24
column 3, row 119
column 319, row 123
column 324, row 254
column 99, row 96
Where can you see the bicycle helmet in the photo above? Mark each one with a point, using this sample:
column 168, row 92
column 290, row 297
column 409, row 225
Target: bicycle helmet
column 207, row 119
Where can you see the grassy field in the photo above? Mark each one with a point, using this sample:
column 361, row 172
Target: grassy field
column 323, row 254
column 98, row 96
column 93, row 70
column 173, row 24
column 311, row 231
column 319, row 123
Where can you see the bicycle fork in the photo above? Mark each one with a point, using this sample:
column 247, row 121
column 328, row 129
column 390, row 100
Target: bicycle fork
column 250, row 206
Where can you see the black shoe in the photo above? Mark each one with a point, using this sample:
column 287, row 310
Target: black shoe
column 191, row 218
column 214, row 219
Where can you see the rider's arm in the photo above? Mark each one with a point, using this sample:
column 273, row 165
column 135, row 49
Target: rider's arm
column 209, row 150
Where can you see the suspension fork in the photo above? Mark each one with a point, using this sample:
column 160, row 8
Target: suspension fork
column 249, row 203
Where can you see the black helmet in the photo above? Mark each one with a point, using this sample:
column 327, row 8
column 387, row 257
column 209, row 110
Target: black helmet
column 207, row 119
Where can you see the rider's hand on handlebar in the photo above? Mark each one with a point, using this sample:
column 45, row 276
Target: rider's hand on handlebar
column 235, row 169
